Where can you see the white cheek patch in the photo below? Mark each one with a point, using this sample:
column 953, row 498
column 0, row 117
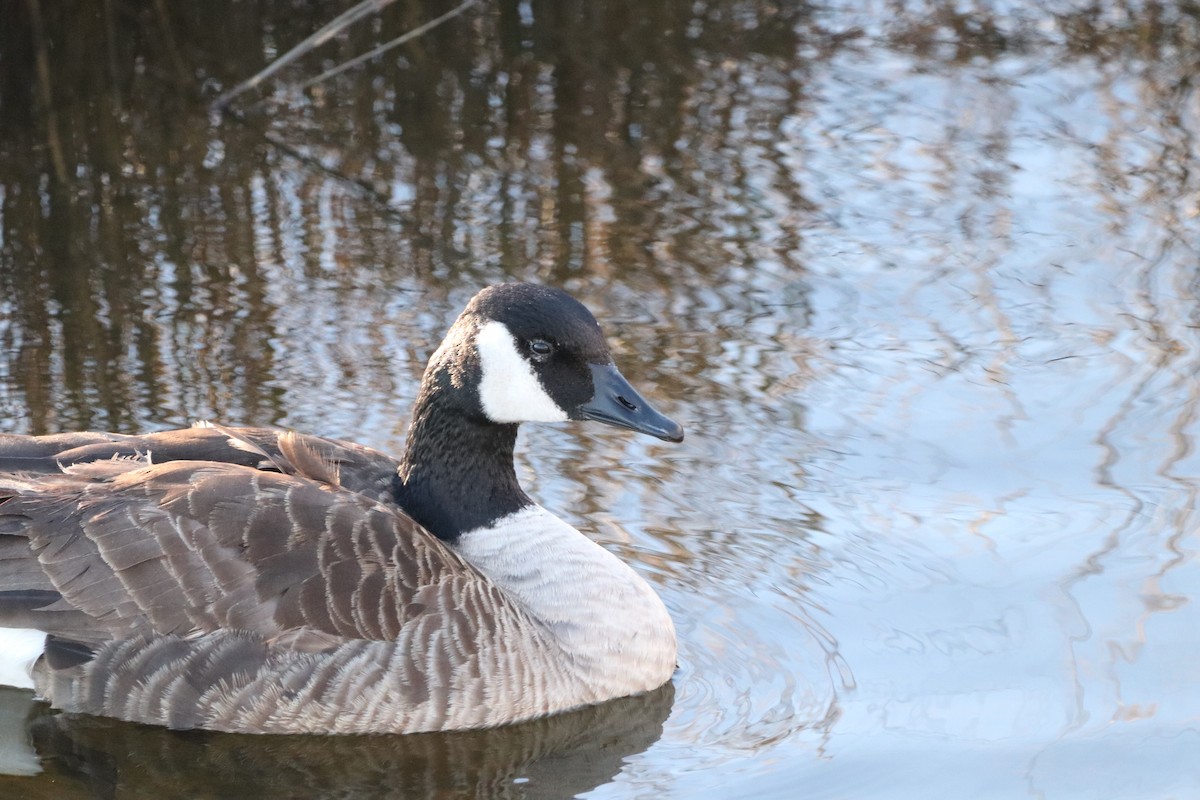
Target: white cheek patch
column 509, row 390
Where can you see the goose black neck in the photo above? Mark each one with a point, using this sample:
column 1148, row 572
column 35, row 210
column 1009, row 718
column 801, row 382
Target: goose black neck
column 457, row 472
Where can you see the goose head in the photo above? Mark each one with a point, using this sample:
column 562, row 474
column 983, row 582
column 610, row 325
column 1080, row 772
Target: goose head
column 528, row 353
column 518, row 353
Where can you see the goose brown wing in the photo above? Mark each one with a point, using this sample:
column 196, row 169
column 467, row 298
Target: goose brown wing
column 351, row 466
column 113, row 549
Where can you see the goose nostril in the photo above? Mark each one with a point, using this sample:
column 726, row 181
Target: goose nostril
column 626, row 403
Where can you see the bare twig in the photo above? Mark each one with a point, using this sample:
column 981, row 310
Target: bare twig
column 333, row 28
column 221, row 105
column 383, row 48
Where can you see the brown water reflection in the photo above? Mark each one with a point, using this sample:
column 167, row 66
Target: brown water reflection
column 919, row 278
column 559, row 757
column 535, row 150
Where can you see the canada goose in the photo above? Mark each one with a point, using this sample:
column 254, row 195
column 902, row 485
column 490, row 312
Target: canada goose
column 251, row 580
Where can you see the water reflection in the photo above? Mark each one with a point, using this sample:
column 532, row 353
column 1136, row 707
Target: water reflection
column 559, row 757
column 920, row 280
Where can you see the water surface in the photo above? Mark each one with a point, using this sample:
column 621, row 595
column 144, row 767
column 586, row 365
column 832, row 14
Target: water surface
column 920, row 282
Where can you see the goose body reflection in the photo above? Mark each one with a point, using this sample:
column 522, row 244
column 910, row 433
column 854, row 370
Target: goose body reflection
column 554, row 757
column 243, row 579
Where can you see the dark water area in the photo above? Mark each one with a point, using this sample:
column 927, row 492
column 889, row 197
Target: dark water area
column 919, row 279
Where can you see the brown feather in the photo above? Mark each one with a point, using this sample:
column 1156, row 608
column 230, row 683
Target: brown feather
column 191, row 586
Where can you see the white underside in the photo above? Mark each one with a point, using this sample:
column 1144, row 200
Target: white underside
column 19, row 648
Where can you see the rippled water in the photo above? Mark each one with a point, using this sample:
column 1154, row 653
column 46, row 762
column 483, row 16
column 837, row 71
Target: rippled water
column 921, row 282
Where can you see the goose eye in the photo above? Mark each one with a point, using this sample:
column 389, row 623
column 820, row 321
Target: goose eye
column 541, row 349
